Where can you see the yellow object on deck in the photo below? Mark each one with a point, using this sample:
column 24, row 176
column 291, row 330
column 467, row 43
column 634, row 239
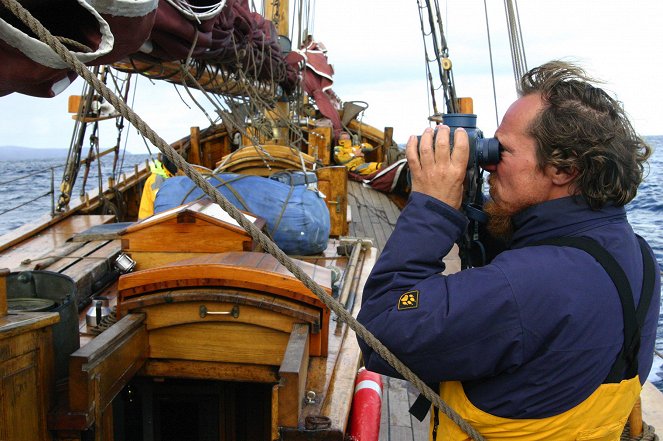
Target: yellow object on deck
column 352, row 157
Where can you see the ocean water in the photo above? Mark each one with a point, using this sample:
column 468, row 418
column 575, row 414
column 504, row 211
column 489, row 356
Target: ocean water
column 26, row 184
column 645, row 212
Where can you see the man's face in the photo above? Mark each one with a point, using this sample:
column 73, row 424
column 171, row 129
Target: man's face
column 516, row 182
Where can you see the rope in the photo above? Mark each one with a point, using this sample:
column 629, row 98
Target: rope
column 11, row 181
column 24, row 204
column 196, row 12
column 648, row 433
column 105, row 323
column 344, row 315
column 492, row 69
column 515, row 40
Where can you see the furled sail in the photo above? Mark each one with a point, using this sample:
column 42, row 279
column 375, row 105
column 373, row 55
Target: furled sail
column 96, row 31
column 226, row 42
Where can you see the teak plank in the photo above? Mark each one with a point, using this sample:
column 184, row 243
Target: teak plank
column 333, row 183
column 175, row 314
column 173, row 236
column 74, row 255
column 26, row 375
column 219, row 341
column 29, row 241
column 248, row 271
column 100, row 369
column 292, row 376
column 262, row 301
column 211, row 370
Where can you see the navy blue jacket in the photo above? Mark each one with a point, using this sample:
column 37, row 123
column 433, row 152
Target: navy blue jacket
column 530, row 335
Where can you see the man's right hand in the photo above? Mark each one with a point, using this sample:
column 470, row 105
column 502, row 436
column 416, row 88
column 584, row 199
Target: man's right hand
column 439, row 172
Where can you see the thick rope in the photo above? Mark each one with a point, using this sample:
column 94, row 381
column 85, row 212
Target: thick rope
column 648, row 433
column 46, row 37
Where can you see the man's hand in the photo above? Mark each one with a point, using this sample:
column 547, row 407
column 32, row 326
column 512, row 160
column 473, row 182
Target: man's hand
column 438, row 172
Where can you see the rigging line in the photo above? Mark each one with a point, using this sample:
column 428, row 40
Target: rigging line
column 31, row 174
column 25, row 203
column 492, row 69
column 186, row 73
column 45, row 36
column 311, row 11
column 522, row 40
column 436, row 51
column 126, row 137
column 445, row 53
column 119, row 122
column 517, row 50
column 429, row 75
column 510, row 35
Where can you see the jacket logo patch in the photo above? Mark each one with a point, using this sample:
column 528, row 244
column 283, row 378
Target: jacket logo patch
column 409, row 300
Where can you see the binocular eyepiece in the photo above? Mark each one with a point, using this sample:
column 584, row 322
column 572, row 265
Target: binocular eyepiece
column 483, row 151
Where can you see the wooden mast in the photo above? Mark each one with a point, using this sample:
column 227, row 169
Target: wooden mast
column 277, row 12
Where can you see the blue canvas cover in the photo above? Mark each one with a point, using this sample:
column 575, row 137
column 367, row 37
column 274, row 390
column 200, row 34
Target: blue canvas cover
column 302, row 227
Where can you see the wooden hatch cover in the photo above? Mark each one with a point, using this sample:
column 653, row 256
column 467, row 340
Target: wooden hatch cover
column 250, row 271
column 280, row 157
column 199, row 227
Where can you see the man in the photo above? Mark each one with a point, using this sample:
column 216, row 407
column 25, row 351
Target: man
column 161, row 170
column 532, row 345
column 353, row 156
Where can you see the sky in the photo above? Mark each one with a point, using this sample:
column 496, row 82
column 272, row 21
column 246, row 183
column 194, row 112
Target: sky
column 377, row 52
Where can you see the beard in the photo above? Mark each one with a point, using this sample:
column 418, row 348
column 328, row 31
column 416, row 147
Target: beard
column 500, row 223
column 500, row 215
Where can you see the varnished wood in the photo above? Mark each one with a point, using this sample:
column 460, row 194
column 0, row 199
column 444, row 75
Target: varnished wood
column 193, row 229
column 374, row 135
column 282, row 157
column 333, row 183
column 26, row 375
column 4, row 272
column 248, row 270
column 635, row 419
column 175, row 308
column 41, row 243
column 319, row 144
column 336, row 377
column 277, row 12
column 13, row 324
column 465, row 105
column 194, row 236
column 100, row 369
column 87, row 265
column 386, row 144
column 219, row 341
column 211, row 370
column 194, row 150
column 292, row 376
column 208, row 79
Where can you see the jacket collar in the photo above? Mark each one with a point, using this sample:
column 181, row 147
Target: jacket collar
column 568, row 216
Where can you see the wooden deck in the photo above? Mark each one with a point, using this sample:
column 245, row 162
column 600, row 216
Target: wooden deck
column 374, row 215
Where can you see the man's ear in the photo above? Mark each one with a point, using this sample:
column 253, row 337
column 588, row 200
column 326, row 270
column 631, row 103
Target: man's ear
column 562, row 176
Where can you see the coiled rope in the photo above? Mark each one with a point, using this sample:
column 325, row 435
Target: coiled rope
column 45, row 36
column 195, row 12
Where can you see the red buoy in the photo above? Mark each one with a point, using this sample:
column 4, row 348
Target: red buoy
column 366, row 406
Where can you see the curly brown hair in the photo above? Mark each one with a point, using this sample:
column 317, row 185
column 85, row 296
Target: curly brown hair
column 581, row 127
